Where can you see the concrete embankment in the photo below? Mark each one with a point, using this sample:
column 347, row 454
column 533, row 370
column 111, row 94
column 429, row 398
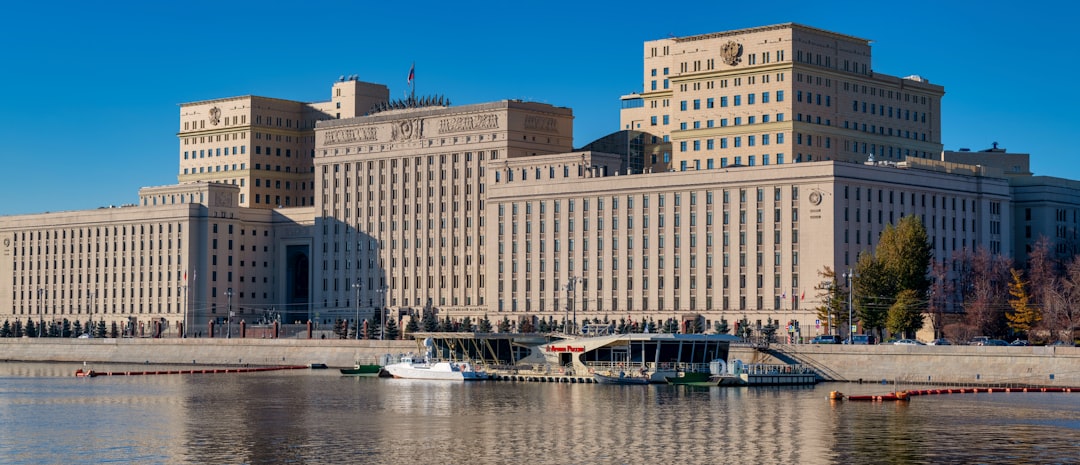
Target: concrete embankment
column 1046, row 366
column 971, row 365
column 201, row 351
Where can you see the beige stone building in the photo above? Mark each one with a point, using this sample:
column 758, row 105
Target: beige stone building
column 722, row 244
column 762, row 177
column 262, row 145
column 777, row 94
column 401, row 202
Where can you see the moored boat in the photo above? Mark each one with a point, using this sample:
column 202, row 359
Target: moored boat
column 690, row 377
column 620, row 378
column 410, row 368
column 363, row 369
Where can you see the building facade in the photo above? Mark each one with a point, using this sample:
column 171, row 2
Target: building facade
column 777, row 94
column 720, row 244
column 264, row 146
column 753, row 160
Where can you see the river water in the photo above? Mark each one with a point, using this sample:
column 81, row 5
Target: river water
column 317, row 416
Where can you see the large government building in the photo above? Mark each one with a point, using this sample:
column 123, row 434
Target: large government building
column 750, row 160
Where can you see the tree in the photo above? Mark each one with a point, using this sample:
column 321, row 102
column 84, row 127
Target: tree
column 428, row 321
column 1063, row 314
column 721, row 327
column 872, row 293
column 18, row 329
column 341, row 328
column 900, row 262
column 76, row 329
column 984, row 277
column 65, row 328
column 504, row 325
column 412, row 326
column 525, row 325
column 5, row 331
column 834, row 308
column 484, row 326
column 31, row 329
column 100, row 330
column 905, row 315
column 941, row 288
column 391, row 330
column 467, row 324
column 1023, row 315
column 115, row 332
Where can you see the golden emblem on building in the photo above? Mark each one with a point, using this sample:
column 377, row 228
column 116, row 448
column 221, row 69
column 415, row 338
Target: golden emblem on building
column 215, row 116
column 731, row 52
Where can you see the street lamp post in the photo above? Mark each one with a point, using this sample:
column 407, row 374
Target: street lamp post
column 184, row 298
column 228, row 317
column 90, row 295
column 848, row 275
column 828, row 306
column 382, row 311
column 358, row 287
column 41, row 318
column 570, row 307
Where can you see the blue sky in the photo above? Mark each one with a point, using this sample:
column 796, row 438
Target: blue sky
column 89, row 93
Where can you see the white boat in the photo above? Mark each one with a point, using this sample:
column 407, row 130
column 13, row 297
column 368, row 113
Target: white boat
column 410, row 368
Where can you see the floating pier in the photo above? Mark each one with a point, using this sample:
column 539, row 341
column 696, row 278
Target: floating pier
column 906, row 395
column 80, row 373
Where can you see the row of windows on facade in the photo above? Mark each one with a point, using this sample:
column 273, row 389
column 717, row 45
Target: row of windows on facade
column 736, row 161
column 613, row 264
column 235, row 150
column 29, row 251
column 816, row 59
column 228, row 120
column 995, row 207
column 417, row 162
column 380, row 180
column 644, row 281
column 759, row 193
column 736, row 142
column 777, row 242
column 47, row 234
column 736, row 100
column 883, row 131
column 710, row 63
column 75, row 276
column 416, row 301
column 645, row 223
column 711, row 84
column 643, row 304
column 710, row 123
column 857, row 88
column 240, row 135
column 217, row 169
column 76, row 309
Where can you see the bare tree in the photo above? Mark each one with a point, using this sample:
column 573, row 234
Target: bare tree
column 941, row 288
column 1062, row 316
column 984, row 282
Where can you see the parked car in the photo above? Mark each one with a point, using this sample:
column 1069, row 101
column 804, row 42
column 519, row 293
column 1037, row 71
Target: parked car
column 1020, row 343
column 863, row 339
column 992, row 342
column 940, row 342
column 908, row 342
column 827, row 339
column 979, row 340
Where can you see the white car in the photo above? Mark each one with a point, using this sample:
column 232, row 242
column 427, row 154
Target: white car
column 908, row 342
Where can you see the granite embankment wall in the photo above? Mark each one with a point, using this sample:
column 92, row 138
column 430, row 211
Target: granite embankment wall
column 202, row 351
column 1050, row 366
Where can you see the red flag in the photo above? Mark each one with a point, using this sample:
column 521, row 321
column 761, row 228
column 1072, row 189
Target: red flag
column 412, row 73
column 803, row 297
